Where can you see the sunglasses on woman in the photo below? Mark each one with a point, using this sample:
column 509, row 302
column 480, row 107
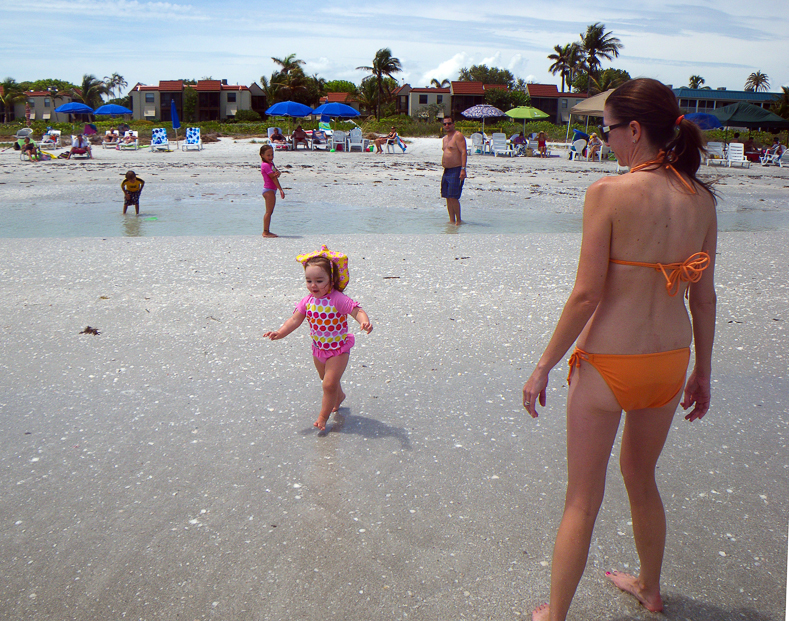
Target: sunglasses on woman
column 605, row 130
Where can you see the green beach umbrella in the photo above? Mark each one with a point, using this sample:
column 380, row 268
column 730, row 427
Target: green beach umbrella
column 526, row 112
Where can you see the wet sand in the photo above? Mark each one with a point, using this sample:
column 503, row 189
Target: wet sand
column 167, row 468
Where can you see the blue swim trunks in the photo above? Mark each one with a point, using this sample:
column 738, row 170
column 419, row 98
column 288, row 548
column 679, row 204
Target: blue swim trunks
column 451, row 183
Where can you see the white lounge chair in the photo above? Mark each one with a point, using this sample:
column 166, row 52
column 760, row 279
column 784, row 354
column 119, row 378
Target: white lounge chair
column 778, row 158
column 193, row 139
column 276, row 130
column 50, row 140
column 111, row 144
column 602, row 153
column 356, row 140
column 134, row 144
column 499, row 144
column 716, row 153
column 477, row 143
column 338, row 139
column 577, row 149
column 159, row 141
column 736, row 155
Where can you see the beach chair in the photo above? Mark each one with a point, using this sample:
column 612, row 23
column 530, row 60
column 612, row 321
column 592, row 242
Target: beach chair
column 50, row 140
column 499, row 144
column 577, row 149
column 110, row 144
column 193, row 139
column 602, row 153
column 25, row 155
column 715, row 154
column 133, row 145
column 736, row 155
column 338, row 140
column 159, row 141
column 325, row 127
column 774, row 157
column 477, row 143
column 356, row 140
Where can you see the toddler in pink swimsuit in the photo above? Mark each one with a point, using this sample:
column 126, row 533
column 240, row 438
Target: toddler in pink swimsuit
column 326, row 309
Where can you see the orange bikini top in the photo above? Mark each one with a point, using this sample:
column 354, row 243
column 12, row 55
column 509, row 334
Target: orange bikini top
column 688, row 270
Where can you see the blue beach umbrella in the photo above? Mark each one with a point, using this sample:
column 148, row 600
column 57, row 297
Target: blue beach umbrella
column 337, row 109
column 289, row 108
column 111, row 109
column 74, row 107
column 174, row 118
column 704, row 120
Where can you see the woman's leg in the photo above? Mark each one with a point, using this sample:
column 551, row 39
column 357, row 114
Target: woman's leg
column 330, row 373
column 271, row 201
column 642, row 442
column 592, row 421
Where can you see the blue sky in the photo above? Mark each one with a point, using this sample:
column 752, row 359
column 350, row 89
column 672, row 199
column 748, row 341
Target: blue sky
column 723, row 41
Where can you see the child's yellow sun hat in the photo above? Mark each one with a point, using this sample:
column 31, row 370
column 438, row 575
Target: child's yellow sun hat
column 338, row 258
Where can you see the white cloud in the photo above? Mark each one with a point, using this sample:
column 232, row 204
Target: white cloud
column 447, row 70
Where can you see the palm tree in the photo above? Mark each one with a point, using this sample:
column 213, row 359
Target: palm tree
column 10, row 93
column 781, row 105
column 384, row 64
column 757, row 82
column 90, row 91
column 567, row 60
column 288, row 64
column 115, row 84
column 442, row 84
column 597, row 44
column 695, row 81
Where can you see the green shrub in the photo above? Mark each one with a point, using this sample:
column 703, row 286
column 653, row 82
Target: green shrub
column 247, row 116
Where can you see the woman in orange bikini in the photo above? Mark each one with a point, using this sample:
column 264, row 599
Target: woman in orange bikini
column 649, row 241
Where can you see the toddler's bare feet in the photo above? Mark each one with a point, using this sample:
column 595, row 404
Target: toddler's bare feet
column 269, row 235
column 339, row 402
column 540, row 613
column 629, row 584
column 321, row 423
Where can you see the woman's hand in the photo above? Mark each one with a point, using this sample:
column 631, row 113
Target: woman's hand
column 533, row 390
column 697, row 392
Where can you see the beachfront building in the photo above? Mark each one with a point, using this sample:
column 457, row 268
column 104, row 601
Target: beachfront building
column 556, row 105
column 706, row 99
column 42, row 106
column 343, row 98
column 464, row 95
column 216, row 100
column 421, row 99
column 402, row 99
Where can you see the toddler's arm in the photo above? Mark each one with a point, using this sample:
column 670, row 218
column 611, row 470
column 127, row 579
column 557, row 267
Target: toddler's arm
column 364, row 321
column 289, row 326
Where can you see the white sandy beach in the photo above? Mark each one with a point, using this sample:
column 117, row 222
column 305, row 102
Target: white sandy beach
column 167, row 468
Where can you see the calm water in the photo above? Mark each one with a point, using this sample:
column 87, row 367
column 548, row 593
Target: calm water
column 244, row 216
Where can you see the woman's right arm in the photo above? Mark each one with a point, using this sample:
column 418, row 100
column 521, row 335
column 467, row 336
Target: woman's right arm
column 586, row 293
column 702, row 302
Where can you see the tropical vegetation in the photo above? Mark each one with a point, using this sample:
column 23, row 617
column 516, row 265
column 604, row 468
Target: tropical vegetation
column 695, row 81
column 11, row 93
column 757, row 81
column 580, row 63
column 384, row 64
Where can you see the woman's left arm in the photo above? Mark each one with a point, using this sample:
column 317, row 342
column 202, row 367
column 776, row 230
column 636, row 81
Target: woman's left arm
column 586, row 293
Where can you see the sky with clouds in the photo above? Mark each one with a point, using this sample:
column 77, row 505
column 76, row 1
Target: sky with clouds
column 723, row 41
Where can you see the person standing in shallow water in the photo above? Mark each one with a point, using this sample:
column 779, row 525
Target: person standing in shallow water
column 454, row 162
column 648, row 238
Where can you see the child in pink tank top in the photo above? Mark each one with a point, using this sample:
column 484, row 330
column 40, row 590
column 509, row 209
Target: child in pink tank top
column 270, row 186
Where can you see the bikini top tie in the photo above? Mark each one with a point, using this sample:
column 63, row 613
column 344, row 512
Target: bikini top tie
column 661, row 159
column 688, row 270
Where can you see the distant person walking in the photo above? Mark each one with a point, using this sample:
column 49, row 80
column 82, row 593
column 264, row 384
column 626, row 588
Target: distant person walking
column 270, row 186
column 454, row 162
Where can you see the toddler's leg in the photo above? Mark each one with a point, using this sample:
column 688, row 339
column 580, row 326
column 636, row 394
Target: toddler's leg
column 331, row 373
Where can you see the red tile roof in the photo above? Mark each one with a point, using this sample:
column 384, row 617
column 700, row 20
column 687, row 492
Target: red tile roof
column 209, row 85
column 337, row 97
column 468, row 88
column 171, row 85
column 38, row 93
column 234, row 87
column 542, row 90
column 144, row 87
column 430, row 90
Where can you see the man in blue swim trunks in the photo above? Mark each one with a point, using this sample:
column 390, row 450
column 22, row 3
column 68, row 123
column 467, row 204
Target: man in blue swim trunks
column 454, row 162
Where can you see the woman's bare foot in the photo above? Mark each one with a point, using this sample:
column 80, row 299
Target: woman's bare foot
column 339, row 402
column 629, row 584
column 540, row 613
column 268, row 234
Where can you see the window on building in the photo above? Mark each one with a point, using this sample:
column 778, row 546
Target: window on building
column 423, row 99
column 231, row 98
column 564, row 104
column 149, row 98
column 46, row 102
column 439, row 99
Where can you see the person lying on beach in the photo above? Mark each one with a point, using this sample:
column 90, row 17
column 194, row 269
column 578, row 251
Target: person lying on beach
column 129, row 138
column 278, row 138
column 112, row 136
column 80, row 147
column 132, row 188
column 390, row 138
column 594, row 146
column 300, row 137
column 326, row 308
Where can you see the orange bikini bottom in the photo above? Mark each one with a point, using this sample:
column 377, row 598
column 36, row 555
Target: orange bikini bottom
column 639, row 381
